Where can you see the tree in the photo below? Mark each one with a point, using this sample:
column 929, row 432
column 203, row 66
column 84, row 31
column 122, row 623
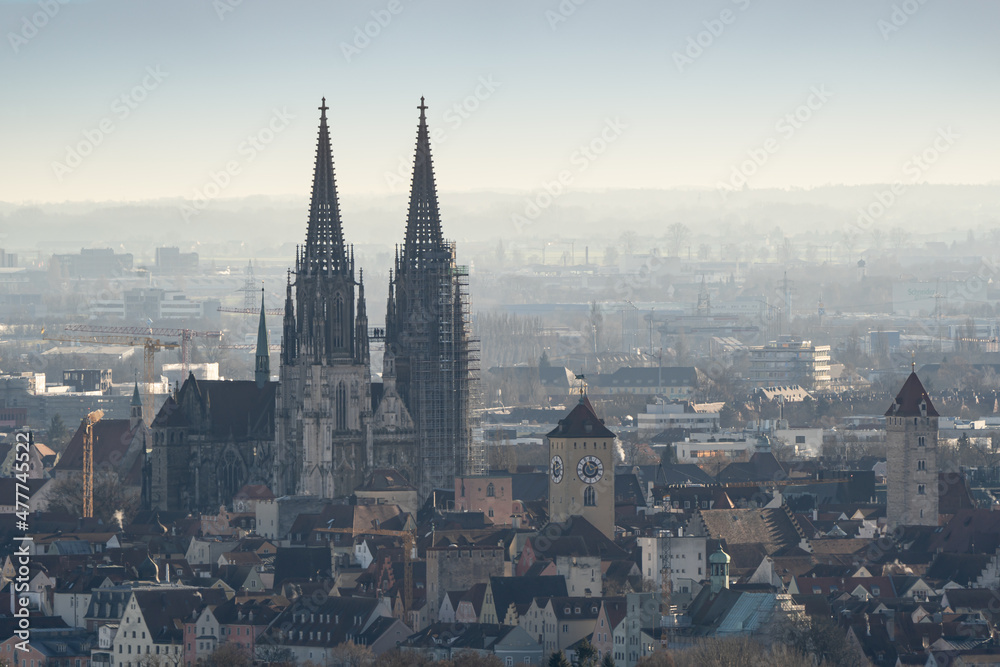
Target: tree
column 558, row 659
column 729, row 417
column 586, row 654
column 543, row 361
column 271, row 654
column 825, row 642
column 679, row 233
column 473, row 659
column 229, row 655
column 113, row 499
column 57, row 433
column 350, row 654
column 610, row 256
column 608, row 660
column 658, row 659
column 398, row 658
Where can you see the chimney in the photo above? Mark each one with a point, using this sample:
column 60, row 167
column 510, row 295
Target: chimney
column 815, row 514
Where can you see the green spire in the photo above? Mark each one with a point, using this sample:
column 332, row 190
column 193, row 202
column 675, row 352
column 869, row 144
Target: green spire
column 262, row 367
column 136, row 399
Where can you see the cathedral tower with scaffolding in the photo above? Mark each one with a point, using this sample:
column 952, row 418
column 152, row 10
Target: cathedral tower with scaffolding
column 431, row 363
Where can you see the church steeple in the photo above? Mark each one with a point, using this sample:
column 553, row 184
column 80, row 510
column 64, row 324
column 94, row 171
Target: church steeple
column 324, row 251
column 288, row 337
column 262, row 365
column 362, row 355
column 423, row 222
column 135, row 407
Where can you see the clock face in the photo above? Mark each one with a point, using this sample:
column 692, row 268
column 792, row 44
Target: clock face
column 590, row 469
column 556, row 469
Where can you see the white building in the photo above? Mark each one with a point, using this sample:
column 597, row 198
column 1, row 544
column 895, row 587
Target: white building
column 703, row 445
column 682, row 558
column 789, row 361
column 661, row 416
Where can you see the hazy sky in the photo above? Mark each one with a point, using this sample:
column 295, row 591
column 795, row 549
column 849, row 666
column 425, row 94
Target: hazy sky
column 200, row 77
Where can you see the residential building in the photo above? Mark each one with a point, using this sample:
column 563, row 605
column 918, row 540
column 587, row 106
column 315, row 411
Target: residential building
column 789, row 361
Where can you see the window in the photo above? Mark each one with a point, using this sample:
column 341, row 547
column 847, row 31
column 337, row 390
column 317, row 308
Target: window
column 509, row 661
column 491, row 511
column 490, row 491
column 341, row 407
column 590, row 497
column 800, row 440
column 921, row 465
column 921, row 441
column 920, row 490
column 565, row 627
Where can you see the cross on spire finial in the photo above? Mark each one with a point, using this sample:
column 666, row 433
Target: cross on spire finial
column 913, row 361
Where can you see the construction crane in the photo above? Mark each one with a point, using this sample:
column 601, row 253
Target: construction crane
column 184, row 334
column 149, row 345
column 409, row 554
column 88, row 461
column 247, row 346
column 251, row 311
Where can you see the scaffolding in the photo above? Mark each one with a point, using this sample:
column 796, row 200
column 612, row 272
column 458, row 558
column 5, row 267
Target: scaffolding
column 428, row 326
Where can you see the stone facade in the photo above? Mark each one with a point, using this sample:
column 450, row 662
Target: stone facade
column 912, row 473
column 454, row 568
column 210, row 439
column 581, row 469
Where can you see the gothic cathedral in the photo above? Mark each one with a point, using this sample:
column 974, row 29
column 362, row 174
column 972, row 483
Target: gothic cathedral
column 334, row 424
column 324, row 402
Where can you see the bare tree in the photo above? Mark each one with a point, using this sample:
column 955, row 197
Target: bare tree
column 111, row 496
column 678, row 233
column 350, row 654
column 229, row 655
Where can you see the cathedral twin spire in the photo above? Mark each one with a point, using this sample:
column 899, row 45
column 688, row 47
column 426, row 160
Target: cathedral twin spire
column 325, row 255
column 324, row 251
column 423, row 221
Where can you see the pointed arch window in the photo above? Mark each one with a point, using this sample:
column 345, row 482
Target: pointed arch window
column 589, row 497
column 341, row 407
column 490, row 491
column 338, row 321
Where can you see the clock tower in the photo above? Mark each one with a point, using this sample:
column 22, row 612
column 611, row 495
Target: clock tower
column 581, row 469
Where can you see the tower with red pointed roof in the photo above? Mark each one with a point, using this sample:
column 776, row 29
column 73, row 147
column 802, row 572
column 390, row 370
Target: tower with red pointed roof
column 911, row 424
column 582, row 469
